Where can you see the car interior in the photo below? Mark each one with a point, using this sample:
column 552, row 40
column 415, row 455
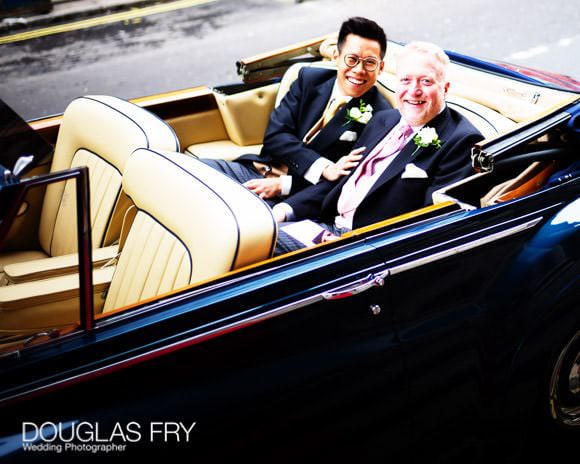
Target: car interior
column 162, row 220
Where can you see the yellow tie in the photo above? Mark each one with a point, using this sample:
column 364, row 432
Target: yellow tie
column 333, row 107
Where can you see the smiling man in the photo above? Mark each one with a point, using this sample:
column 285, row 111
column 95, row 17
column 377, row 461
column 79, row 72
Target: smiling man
column 422, row 83
column 311, row 133
column 409, row 153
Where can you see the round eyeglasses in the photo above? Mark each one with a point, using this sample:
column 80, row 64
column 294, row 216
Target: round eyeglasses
column 370, row 64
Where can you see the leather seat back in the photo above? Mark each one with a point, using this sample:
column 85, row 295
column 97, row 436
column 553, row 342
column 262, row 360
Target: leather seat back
column 99, row 132
column 192, row 224
column 291, row 75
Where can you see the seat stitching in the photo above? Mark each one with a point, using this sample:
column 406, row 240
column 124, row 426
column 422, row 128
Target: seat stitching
column 476, row 113
column 235, row 258
column 135, row 122
column 134, row 261
column 61, row 197
column 151, row 261
column 169, row 231
column 158, row 258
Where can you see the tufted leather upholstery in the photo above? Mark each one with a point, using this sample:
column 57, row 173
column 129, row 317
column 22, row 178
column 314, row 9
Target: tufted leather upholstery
column 195, row 225
column 192, row 224
column 245, row 116
column 99, row 132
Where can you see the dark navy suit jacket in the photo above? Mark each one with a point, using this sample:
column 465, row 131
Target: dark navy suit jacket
column 298, row 111
column 393, row 195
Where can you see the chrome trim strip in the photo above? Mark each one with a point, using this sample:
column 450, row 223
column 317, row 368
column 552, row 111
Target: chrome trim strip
column 465, row 247
column 187, row 293
column 274, row 312
column 173, row 346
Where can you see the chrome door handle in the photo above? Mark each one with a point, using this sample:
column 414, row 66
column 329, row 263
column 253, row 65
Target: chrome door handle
column 354, row 288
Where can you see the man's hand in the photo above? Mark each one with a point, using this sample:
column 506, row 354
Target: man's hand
column 328, row 237
column 268, row 187
column 343, row 166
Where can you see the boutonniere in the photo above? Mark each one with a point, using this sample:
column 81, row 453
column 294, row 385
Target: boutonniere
column 426, row 137
column 362, row 114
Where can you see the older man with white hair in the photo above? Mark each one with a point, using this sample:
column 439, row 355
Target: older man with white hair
column 408, row 154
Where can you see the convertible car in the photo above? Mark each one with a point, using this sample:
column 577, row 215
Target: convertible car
column 142, row 312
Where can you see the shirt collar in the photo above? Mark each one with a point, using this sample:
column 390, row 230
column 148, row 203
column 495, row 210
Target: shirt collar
column 336, row 92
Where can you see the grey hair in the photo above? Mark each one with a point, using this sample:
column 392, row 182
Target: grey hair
column 427, row 48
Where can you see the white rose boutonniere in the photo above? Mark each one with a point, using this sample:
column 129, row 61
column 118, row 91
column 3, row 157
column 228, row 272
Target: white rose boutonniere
column 427, row 136
column 363, row 113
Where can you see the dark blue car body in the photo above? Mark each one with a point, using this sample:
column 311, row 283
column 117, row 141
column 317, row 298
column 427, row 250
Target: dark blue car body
column 428, row 339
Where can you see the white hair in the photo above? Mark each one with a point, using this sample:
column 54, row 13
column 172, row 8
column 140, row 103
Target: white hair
column 427, row 48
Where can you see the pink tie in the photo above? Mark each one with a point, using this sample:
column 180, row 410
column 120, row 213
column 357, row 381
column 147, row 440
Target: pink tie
column 358, row 186
column 397, row 140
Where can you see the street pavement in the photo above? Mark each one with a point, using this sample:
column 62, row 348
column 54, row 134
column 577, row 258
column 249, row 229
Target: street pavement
column 70, row 10
column 131, row 48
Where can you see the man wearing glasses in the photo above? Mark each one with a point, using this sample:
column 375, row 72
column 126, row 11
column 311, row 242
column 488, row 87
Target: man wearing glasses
column 410, row 153
column 311, row 133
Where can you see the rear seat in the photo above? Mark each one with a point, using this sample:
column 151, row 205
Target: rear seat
column 245, row 134
column 489, row 122
column 245, row 117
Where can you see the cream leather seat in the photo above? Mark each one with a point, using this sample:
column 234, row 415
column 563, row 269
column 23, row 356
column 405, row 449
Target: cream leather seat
column 291, row 75
column 488, row 121
column 246, row 115
column 196, row 225
column 192, row 224
column 246, row 133
column 99, row 132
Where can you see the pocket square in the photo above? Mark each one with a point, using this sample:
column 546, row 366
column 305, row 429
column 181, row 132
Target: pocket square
column 413, row 172
column 348, row 136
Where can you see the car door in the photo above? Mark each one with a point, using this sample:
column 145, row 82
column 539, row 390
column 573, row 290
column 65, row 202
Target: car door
column 461, row 290
column 326, row 375
column 291, row 360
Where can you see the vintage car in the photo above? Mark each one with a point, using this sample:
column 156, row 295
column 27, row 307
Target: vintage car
column 157, row 321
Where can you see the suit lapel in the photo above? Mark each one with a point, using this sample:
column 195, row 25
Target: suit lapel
column 370, row 139
column 339, row 124
column 319, row 97
column 408, row 155
column 335, row 127
column 397, row 165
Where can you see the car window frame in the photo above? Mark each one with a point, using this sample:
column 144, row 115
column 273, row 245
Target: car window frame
column 14, row 195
